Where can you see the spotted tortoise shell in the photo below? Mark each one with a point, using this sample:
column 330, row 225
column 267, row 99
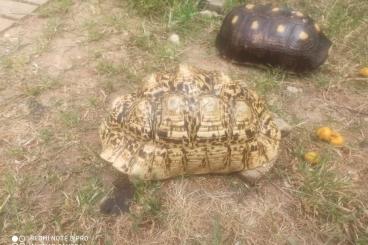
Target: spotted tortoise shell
column 189, row 121
column 270, row 35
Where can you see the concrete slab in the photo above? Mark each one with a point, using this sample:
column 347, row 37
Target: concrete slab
column 15, row 10
column 215, row 5
column 39, row 2
column 5, row 23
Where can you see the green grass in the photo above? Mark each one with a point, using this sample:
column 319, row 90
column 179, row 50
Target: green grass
column 324, row 194
column 10, row 182
column 327, row 196
column 167, row 52
column 94, row 31
column 321, row 80
column 115, row 75
column 344, row 16
column 161, row 50
column 115, row 21
column 17, row 212
column 17, row 152
column 14, row 63
column 70, row 119
column 6, row 62
column 362, row 240
column 182, row 12
column 145, row 41
column 108, row 85
column 42, row 84
column 146, row 197
column 52, row 27
column 88, row 195
column 33, row 91
column 176, row 15
column 175, row 10
column 102, row 27
column 45, row 135
column 162, row 18
column 108, row 68
column 229, row 4
column 55, row 7
column 216, row 231
column 269, row 80
column 93, row 101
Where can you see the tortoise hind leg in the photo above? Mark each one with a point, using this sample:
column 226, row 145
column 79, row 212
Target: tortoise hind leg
column 251, row 176
column 118, row 201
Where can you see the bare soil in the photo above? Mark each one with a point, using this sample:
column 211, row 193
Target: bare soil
column 57, row 78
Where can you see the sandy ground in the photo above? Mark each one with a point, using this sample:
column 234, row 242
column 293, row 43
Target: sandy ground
column 58, row 76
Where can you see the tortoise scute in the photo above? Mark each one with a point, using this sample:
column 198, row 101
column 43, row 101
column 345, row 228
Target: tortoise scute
column 202, row 122
column 171, row 118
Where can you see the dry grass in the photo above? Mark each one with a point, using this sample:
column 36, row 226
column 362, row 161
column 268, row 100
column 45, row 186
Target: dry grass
column 59, row 70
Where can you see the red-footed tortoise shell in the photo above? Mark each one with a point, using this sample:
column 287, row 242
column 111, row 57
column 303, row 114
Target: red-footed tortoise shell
column 271, row 35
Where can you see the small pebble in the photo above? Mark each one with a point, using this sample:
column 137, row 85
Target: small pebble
column 174, row 38
column 294, row 90
column 209, row 13
column 215, row 5
column 353, row 175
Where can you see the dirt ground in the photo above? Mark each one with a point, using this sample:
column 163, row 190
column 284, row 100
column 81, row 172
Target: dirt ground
column 61, row 67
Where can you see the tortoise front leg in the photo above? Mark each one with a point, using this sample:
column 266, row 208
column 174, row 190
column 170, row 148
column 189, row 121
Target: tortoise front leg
column 251, row 176
column 121, row 196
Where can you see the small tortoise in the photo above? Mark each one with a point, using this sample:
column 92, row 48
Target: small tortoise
column 275, row 36
column 190, row 121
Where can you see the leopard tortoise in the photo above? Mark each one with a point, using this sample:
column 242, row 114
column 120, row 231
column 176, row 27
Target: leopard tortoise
column 189, row 121
column 277, row 36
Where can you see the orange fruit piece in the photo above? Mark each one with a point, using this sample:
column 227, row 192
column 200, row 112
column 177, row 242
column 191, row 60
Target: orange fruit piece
column 336, row 138
column 364, row 72
column 312, row 157
column 324, row 133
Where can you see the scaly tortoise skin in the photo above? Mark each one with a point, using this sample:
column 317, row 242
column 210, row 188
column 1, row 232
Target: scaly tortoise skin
column 276, row 36
column 189, row 121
